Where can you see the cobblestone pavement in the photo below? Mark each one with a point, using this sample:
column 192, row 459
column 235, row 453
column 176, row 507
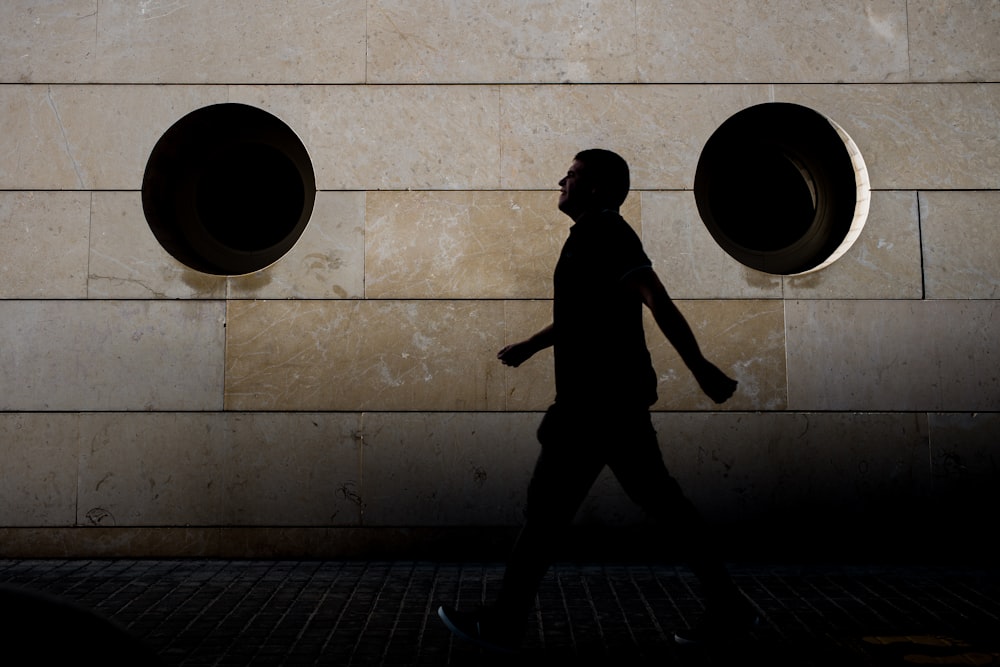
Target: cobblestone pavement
column 213, row 612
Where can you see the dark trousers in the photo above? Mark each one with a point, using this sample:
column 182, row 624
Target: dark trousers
column 576, row 445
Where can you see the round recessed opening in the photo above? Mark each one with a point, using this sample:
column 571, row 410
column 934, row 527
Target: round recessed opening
column 228, row 189
column 782, row 189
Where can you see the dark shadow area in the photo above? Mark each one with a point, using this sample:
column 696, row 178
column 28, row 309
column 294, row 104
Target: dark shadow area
column 39, row 629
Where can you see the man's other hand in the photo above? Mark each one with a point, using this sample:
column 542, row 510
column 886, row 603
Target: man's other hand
column 516, row 354
column 717, row 385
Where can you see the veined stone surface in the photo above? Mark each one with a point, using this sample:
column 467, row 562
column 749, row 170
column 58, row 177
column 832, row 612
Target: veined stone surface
column 45, row 240
column 111, row 355
column 893, row 355
column 960, row 242
column 353, row 384
column 364, row 355
column 466, row 244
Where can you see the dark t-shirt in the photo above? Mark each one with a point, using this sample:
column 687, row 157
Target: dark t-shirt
column 600, row 346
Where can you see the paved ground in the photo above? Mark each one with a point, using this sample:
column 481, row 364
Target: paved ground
column 208, row 612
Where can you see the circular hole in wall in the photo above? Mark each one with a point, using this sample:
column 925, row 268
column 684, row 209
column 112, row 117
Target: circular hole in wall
column 782, row 188
column 228, row 189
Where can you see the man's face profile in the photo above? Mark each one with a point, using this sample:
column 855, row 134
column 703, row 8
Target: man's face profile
column 575, row 193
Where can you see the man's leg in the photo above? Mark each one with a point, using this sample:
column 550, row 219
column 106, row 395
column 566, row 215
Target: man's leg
column 566, row 469
column 638, row 465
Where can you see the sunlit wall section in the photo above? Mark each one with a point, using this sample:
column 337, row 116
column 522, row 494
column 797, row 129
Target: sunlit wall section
column 343, row 397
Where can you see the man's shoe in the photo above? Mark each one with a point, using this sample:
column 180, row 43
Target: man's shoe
column 721, row 624
column 481, row 628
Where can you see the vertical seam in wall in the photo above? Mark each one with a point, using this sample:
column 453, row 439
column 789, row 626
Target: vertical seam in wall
column 503, row 343
column 90, row 245
column 635, row 38
column 920, row 242
column 906, row 21
column 78, row 418
column 367, row 43
column 362, row 491
column 225, row 345
column 97, row 38
column 364, row 245
column 930, row 455
column 784, row 326
column 500, row 183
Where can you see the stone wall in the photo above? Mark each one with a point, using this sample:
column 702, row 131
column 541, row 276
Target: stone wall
column 347, row 399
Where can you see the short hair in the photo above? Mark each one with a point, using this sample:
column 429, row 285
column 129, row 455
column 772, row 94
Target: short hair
column 611, row 172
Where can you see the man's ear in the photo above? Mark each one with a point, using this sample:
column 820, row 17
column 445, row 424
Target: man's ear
column 596, row 194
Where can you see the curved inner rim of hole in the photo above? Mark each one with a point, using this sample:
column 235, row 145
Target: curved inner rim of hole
column 763, row 199
column 249, row 197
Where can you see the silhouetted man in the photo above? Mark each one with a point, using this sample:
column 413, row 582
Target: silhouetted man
column 605, row 385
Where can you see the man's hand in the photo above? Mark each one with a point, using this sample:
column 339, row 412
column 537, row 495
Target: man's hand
column 516, row 354
column 717, row 385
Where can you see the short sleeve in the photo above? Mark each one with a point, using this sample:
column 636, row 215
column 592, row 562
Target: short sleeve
column 626, row 254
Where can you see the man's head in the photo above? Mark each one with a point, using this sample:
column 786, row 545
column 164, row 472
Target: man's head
column 598, row 179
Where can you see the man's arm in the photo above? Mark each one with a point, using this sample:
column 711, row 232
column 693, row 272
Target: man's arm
column 516, row 354
column 716, row 384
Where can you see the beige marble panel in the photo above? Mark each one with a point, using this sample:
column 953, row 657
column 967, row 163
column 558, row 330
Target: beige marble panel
column 465, row 244
column 688, row 260
column 368, row 355
column 44, row 249
column 462, row 244
column 38, row 485
column 500, row 42
column 893, row 355
column 787, row 40
column 915, row 137
column 884, row 263
column 954, row 40
column 111, row 355
column 327, row 262
column 446, row 469
column 111, row 130
column 961, row 244
column 532, row 385
column 659, row 130
column 295, row 469
column 153, row 469
column 34, row 150
column 88, row 137
column 744, row 338
column 47, row 41
column 391, row 137
column 127, row 262
column 311, row 41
